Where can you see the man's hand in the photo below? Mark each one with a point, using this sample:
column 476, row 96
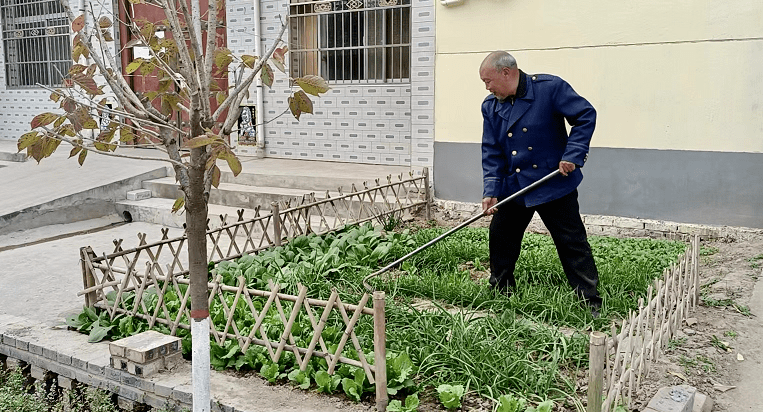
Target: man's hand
column 564, row 167
column 487, row 203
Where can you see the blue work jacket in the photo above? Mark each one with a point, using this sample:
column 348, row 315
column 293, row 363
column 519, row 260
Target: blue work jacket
column 524, row 142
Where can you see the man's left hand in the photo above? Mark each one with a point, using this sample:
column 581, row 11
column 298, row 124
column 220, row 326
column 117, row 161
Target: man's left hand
column 566, row 167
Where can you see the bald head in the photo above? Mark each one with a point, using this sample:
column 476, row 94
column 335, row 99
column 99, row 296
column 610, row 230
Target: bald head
column 499, row 60
column 500, row 74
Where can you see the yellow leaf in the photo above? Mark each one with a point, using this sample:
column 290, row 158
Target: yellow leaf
column 249, row 61
column 81, row 158
column 234, row 164
column 216, row 176
column 28, row 139
column 311, row 84
column 201, row 141
column 267, row 75
column 303, row 102
column 74, row 151
column 179, row 202
column 134, row 66
column 43, row 119
column 294, row 107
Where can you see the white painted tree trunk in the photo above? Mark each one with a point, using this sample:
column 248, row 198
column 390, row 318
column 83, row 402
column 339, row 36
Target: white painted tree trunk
column 200, row 365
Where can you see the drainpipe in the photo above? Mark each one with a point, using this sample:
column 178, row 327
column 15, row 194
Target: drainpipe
column 260, row 105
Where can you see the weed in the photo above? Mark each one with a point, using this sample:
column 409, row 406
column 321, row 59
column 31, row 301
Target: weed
column 730, row 334
column 708, row 250
column 743, row 309
column 673, row 344
column 719, row 344
column 391, row 220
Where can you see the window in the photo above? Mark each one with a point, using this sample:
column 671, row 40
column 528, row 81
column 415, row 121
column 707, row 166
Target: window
column 351, row 41
column 36, row 42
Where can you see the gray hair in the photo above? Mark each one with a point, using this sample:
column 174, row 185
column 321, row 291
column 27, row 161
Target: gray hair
column 500, row 60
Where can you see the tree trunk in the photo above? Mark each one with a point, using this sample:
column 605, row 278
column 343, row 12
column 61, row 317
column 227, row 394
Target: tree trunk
column 196, row 230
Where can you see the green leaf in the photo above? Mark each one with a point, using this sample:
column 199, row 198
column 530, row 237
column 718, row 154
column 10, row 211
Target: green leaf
column 98, row 333
column 270, row 371
column 312, row 84
column 545, row 406
column 81, row 158
column 267, row 75
column 395, row 406
column 134, row 66
column 508, row 403
column 326, row 383
column 299, row 378
column 351, row 389
column 450, row 395
column 223, row 57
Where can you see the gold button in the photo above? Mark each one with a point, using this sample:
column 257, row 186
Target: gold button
column 524, row 129
column 514, row 153
column 517, row 170
column 530, row 148
column 511, row 134
column 535, row 166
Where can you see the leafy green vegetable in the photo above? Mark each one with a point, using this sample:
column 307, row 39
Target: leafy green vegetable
column 545, row 406
column 270, row 371
column 508, row 403
column 450, row 395
column 299, row 378
column 411, row 404
column 327, row 383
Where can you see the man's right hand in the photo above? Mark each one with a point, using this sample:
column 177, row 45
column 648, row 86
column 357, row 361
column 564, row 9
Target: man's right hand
column 487, row 203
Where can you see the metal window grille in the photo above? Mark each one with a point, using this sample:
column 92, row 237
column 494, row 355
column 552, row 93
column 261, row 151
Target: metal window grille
column 351, row 41
column 36, row 42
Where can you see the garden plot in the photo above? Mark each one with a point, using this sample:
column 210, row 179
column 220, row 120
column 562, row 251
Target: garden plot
column 524, row 346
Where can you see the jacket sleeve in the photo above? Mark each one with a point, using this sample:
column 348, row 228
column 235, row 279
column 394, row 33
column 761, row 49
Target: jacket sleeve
column 581, row 115
column 493, row 159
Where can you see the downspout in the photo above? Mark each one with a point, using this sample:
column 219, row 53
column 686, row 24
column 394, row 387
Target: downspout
column 260, row 105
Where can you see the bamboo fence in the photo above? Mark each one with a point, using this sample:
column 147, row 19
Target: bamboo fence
column 120, row 275
column 623, row 362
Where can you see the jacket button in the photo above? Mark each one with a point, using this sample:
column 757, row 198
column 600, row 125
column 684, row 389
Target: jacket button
column 530, row 148
column 511, row 134
column 514, row 153
column 535, row 77
column 524, row 129
column 517, row 170
column 535, row 166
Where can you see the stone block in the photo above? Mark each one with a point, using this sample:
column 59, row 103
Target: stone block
column 35, row 349
column 4, row 350
column 22, row 345
column 49, row 354
column 182, row 393
column 13, row 363
column 39, row 373
column 661, row 226
column 163, row 391
column 139, row 194
column 628, row 223
column 66, row 383
column 145, row 347
column 702, row 403
column 673, row 399
column 64, row 359
column 598, row 220
column 154, row 400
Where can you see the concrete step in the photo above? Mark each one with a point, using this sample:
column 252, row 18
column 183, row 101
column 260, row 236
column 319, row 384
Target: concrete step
column 228, row 194
column 159, row 211
column 13, row 157
column 305, row 181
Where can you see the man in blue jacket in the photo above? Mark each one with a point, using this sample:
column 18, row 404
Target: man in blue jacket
column 524, row 138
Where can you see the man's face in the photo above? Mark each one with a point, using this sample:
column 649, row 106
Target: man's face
column 497, row 81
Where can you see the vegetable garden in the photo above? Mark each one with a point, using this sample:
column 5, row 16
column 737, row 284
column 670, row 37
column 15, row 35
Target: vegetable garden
column 447, row 332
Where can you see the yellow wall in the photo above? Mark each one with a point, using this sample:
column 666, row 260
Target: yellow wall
column 663, row 75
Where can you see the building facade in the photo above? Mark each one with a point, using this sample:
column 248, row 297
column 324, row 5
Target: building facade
column 676, row 85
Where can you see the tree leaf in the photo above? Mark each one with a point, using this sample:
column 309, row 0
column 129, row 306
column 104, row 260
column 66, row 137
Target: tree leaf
column 69, row 105
column 50, row 146
column 220, row 97
column 216, row 176
column 294, row 107
column 107, row 35
column 233, row 163
column 312, row 84
column 28, row 139
column 126, row 134
column 78, row 23
column 267, row 75
column 56, row 96
column 223, row 57
column 303, row 102
column 179, row 202
column 134, row 66
column 200, row 141
column 104, row 22
column 249, row 61
column 43, row 119
column 279, row 65
column 74, row 151
column 90, row 123
column 82, row 155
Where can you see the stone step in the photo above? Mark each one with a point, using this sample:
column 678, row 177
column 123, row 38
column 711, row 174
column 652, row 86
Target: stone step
column 13, row 157
column 308, row 180
column 228, row 194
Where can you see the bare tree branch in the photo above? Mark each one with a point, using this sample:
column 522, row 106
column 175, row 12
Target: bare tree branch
column 245, row 85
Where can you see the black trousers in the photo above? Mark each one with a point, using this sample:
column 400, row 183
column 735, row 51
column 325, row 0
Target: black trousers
column 562, row 219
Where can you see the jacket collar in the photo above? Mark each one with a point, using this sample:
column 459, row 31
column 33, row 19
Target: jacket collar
column 522, row 101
